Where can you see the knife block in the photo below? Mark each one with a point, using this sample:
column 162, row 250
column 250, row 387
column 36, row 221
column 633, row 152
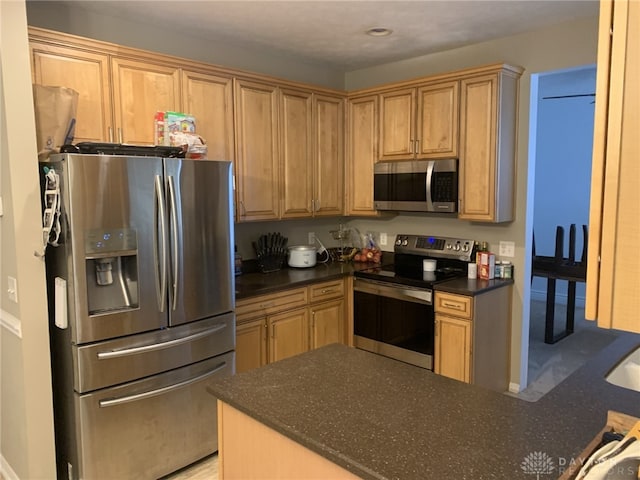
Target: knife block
column 271, row 263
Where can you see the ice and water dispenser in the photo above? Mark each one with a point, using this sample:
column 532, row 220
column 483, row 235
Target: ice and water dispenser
column 112, row 270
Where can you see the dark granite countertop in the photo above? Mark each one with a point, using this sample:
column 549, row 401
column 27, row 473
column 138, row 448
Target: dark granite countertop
column 383, row 419
column 471, row 287
column 251, row 284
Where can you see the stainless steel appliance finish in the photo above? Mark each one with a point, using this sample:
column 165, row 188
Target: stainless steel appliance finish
column 146, row 250
column 393, row 304
column 416, row 186
column 394, row 321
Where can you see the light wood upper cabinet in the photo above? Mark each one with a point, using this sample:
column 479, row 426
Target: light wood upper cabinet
column 437, row 121
column 296, row 153
column 362, row 154
column 85, row 72
column 328, row 177
column 312, row 154
column 397, row 123
column 419, row 123
column 257, row 169
column 488, row 110
column 209, row 98
column 613, row 262
column 140, row 89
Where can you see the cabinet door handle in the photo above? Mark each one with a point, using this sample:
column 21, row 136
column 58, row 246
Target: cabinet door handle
column 120, row 135
column 327, row 290
column 266, row 305
column 110, row 134
column 417, row 147
column 313, row 205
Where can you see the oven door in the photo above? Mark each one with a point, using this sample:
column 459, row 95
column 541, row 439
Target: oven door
column 393, row 320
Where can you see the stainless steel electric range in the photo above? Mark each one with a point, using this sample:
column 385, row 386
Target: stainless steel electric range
column 393, row 303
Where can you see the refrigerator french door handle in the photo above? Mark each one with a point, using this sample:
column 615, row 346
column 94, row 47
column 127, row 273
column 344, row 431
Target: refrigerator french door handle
column 161, row 256
column 174, row 242
column 159, row 346
column 112, row 402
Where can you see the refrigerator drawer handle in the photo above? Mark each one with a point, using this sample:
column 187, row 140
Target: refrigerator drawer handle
column 159, row 346
column 112, row 402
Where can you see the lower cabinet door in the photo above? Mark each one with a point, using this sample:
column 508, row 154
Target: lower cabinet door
column 453, row 348
column 327, row 323
column 251, row 345
column 288, row 334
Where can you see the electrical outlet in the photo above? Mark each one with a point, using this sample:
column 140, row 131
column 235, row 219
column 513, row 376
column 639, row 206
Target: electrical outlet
column 12, row 289
column 383, row 239
column 507, row 249
column 312, row 238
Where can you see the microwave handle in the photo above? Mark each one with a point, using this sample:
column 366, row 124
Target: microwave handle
column 430, row 168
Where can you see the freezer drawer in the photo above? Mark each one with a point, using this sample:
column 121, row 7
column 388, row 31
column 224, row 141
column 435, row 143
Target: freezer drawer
column 112, row 362
column 143, row 429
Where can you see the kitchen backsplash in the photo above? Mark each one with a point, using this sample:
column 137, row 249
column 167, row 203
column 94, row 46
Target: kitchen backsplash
column 297, row 231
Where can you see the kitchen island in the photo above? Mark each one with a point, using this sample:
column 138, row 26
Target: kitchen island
column 377, row 418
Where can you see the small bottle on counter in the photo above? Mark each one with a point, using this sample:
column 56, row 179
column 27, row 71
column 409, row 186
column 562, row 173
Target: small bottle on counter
column 507, row 269
column 499, row 271
column 484, row 247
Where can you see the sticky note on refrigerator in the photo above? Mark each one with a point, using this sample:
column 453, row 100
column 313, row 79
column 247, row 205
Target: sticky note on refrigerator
column 61, row 303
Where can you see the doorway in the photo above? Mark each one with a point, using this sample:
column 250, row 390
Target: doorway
column 561, row 138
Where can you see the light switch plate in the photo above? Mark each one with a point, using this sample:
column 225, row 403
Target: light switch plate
column 507, row 249
column 312, row 238
column 12, row 289
column 383, row 239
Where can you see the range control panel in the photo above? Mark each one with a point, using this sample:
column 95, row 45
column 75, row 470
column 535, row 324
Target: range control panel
column 430, row 246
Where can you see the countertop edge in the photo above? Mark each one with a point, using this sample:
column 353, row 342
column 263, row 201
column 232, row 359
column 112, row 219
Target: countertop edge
column 254, row 284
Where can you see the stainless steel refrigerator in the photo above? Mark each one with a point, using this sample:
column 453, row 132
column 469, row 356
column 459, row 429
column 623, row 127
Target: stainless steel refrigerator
column 141, row 302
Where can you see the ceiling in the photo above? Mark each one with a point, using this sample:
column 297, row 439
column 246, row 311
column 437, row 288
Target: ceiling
column 331, row 33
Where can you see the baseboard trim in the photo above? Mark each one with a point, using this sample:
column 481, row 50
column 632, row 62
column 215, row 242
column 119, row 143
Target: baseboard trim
column 514, row 387
column 10, row 323
column 6, row 470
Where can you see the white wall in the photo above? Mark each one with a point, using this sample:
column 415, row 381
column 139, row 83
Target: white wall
column 26, row 410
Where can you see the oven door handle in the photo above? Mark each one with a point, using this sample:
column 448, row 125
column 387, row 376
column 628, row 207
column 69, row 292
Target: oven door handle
column 399, row 292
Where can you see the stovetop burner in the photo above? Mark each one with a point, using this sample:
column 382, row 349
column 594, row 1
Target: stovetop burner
column 452, row 256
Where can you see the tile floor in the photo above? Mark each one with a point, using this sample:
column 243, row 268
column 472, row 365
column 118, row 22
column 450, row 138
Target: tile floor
column 551, row 364
column 205, row 469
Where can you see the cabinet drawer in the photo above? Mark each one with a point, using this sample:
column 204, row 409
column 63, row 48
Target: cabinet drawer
column 253, row 307
column 326, row 290
column 456, row 305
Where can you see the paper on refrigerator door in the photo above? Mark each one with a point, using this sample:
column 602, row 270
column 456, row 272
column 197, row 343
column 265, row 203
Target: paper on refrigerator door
column 61, row 303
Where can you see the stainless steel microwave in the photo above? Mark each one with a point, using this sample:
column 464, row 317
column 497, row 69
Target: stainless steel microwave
column 416, row 186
